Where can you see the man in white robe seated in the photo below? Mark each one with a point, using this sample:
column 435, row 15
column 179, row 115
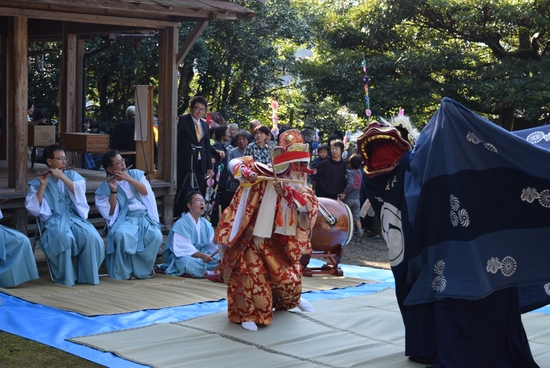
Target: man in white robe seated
column 17, row 264
column 190, row 247
column 57, row 196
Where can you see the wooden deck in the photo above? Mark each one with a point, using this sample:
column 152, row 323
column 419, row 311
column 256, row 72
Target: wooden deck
column 12, row 202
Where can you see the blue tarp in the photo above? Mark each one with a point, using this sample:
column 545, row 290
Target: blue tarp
column 52, row 326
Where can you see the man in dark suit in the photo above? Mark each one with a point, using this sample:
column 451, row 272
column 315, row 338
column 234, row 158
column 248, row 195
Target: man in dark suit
column 123, row 136
column 193, row 149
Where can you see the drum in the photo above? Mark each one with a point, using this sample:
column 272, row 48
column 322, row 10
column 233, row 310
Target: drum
column 334, row 225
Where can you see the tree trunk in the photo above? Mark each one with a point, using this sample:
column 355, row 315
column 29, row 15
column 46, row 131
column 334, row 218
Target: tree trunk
column 507, row 117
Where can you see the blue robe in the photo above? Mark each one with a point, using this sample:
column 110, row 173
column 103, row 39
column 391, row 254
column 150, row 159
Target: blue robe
column 17, row 264
column 134, row 239
column 194, row 267
column 74, row 248
column 466, row 216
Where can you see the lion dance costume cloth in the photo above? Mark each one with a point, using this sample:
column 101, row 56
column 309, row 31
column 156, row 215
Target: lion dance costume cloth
column 466, row 216
column 265, row 235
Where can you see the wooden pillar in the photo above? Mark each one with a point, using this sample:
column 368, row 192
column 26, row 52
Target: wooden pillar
column 16, row 117
column 17, row 102
column 4, row 92
column 67, row 97
column 80, row 88
column 167, row 115
column 145, row 144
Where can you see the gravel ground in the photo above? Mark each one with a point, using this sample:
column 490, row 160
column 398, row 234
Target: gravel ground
column 368, row 252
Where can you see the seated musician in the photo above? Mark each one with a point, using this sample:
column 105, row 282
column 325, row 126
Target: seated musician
column 17, row 264
column 127, row 203
column 264, row 232
column 57, row 197
column 189, row 248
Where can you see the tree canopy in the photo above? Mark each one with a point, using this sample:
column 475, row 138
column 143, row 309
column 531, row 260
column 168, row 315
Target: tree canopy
column 491, row 56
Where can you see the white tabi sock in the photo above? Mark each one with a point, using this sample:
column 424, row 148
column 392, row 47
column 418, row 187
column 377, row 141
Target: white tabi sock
column 305, row 306
column 251, row 326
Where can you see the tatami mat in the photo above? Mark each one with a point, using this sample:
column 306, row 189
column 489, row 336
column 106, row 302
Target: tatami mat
column 112, row 296
column 359, row 331
column 363, row 331
column 337, row 334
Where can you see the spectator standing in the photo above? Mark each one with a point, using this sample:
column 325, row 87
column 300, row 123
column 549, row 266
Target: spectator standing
column 233, row 129
column 221, row 136
column 253, row 125
column 330, row 174
column 352, row 193
column 259, row 149
column 194, row 154
column 241, row 140
column 30, row 108
column 123, row 136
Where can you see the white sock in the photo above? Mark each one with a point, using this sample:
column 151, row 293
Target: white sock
column 251, row 326
column 305, row 306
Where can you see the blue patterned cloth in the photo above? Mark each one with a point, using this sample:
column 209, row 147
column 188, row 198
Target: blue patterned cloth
column 479, row 204
column 539, row 136
column 466, row 216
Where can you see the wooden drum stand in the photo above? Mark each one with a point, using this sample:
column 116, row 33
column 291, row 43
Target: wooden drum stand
column 333, row 230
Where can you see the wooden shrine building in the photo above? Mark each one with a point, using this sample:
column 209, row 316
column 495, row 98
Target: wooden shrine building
column 71, row 21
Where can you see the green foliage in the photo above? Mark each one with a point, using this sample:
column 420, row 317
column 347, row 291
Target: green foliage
column 238, row 66
column 490, row 56
column 113, row 68
column 44, row 62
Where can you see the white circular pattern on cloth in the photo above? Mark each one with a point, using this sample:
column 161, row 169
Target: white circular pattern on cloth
column 509, row 266
column 458, row 215
column 392, row 231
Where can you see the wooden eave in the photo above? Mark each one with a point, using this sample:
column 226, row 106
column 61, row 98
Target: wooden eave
column 159, row 10
column 50, row 30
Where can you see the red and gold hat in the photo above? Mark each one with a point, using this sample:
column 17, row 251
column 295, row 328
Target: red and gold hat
column 294, row 148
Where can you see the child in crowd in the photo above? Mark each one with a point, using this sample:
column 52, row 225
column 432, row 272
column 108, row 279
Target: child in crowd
column 322, row 153
column 352, row 193
column 330, row 174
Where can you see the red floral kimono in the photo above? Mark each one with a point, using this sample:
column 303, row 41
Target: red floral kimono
column 262, row 274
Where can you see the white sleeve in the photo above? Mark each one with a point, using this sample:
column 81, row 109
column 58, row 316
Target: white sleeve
column 149, row 200
column 182, row 246
column 79, row 198
column 103, row 206
column 212, row 247
column 31, row 204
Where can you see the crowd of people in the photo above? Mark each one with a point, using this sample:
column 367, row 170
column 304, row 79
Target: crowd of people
column 226, row 181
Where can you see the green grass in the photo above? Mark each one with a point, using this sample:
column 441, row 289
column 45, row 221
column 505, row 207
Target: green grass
column 17, row 352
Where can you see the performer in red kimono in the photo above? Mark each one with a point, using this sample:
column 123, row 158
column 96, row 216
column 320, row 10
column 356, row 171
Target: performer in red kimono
column 265, row 231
